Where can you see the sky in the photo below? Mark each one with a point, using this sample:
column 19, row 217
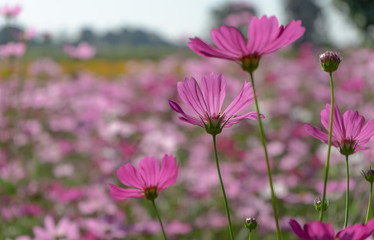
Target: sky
column 172, row 19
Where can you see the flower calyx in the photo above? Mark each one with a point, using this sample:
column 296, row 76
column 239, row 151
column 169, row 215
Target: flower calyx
column 151, row 193
column 250, row 223
column 250, row 62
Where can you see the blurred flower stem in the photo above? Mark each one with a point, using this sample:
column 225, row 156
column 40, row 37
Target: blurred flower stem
column 250, row 235
column 329, row 147
column 263, row 141
column 346, row 194
column 223, row 188
column 159, row 218
column 369, row 204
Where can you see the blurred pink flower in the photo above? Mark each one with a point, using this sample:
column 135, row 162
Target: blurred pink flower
column 264, row 36
column 349, row 131
column 207, row 102
column 29, row 34
column 64, row 230
column 83, row 51
column 10, row 11
column 148, row 181
column 324, row 231
column 12, row 49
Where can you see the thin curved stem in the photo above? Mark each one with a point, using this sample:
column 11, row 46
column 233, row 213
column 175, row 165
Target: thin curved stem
column 223, row 188
column 159, row 218
column 346, row 194
column 369, row 204
column 262, row 134
column 328, row 149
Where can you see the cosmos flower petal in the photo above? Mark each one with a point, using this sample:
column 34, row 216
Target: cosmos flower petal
column 185, row 117
column 214, row 90
column 149, row 169
column 338, row 125
column 229, row 39
column 130, row 176
column 123, row 193
column 319, row 134
column 366, row 132
column 206, row 50
column 241, row 101
column 168, row 172
column 357, row 231
column 238, row 118
column 319, row 231
column 191, row 94
column 353, row 123
column 296, row 228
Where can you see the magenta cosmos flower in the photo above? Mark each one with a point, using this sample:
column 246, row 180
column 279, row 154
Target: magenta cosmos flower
column 207, row 102
column 324, row 231
column 64, row 230
column 349, row 132
column 264, row 36
column 147, row 181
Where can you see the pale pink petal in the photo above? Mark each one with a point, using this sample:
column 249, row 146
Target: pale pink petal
column 123, row 193
column 191, row 94
column 169, row 172
column 213, row 87
column 130, row 176
column 241, row 101
column 149, row 169
column 353, row 123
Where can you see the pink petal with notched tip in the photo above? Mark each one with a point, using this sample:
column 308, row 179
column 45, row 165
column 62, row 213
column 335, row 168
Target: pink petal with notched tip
column 319, row 231
column 319, row 134
column 338, row 130
column 191, row 94
column 230, row 40
column 241, row 101
column 366, row 133
column 149, row 169
column 353, row 123
column 214, row 91
column 185, row 117
column 130, row 176
column 168, row 173
column 206, row 50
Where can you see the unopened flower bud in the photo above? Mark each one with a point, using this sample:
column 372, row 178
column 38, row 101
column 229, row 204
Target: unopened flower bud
column 368, row 175
column 329, row 61
column 250, row 223
column 318, row 205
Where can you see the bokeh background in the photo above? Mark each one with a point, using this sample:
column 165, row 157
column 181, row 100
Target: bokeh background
column 84, row 88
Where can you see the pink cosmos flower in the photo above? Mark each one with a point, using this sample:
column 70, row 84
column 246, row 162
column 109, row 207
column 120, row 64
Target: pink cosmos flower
column 349, row 132
column 264, row 36
column 83, row 51
column 10, row 11
column 64, row 230
column 147, row 181
column 12, row 49
column 323, row 231
column 207, row 102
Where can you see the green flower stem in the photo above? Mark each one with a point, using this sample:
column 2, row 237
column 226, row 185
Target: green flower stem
column 262, row 134
column 250, row 235
column 346, row 194
column 328, row 149
column 159, row 219
column 369, row 204
column 223, row 188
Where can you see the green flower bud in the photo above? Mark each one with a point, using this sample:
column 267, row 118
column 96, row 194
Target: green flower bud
column 250, row 223
column 329, row 61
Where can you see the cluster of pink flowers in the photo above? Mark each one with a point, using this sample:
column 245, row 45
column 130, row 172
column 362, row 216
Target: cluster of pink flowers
column 12, row 49
column 82, row 51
